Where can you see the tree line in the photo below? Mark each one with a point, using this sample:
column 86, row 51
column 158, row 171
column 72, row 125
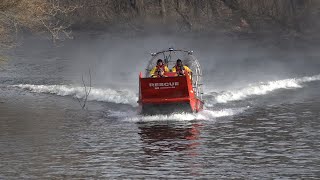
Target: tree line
column 59, row 17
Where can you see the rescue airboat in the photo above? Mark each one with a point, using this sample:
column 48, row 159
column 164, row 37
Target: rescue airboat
column 171, row 93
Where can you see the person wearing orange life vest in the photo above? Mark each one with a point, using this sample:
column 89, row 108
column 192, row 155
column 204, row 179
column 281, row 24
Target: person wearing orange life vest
column 159, row 69
column 180, row 69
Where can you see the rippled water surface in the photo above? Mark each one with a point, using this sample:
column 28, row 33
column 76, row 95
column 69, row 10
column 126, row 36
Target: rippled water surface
column 263, row 130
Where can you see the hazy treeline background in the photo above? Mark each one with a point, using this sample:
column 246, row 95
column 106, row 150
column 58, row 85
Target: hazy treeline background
column 283, row 18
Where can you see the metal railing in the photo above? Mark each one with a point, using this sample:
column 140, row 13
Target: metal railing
column 170, row 56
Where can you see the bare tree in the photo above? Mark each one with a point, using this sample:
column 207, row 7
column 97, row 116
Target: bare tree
column 241, row 14
column 35, row 16
column 53, row 19
column 186, row 21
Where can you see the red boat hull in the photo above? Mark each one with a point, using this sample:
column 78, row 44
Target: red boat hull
column 167, row 95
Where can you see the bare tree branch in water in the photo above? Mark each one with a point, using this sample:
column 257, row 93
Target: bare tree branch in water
column 86, row 92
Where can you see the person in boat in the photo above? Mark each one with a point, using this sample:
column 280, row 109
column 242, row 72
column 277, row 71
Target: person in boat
column 180, row 69
column 159, row 69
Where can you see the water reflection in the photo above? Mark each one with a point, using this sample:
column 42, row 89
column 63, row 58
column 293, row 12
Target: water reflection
column 171, row 145
column 159, row 138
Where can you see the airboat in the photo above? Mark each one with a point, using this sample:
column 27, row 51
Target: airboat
column 171, row 93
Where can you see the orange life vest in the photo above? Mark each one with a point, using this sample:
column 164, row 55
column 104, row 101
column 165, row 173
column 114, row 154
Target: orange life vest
column 179, row 70
column 159, row 70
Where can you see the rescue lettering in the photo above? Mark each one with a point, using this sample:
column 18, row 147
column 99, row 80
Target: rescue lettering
column 166, row 84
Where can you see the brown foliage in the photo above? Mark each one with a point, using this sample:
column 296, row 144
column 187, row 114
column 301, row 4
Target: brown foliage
column 37, row 16
column 57, row 17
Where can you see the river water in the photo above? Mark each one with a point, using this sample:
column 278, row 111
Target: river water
column 261, row 121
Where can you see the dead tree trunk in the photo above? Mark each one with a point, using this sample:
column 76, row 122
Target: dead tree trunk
column 196, row 7
column 138, row 6
column 162, row 11
column 295, row 14
column 178, row 4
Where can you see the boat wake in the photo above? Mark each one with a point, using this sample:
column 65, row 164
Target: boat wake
column 203, row 115
column 130, row 98
column 96, row 94
column 260, row 89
